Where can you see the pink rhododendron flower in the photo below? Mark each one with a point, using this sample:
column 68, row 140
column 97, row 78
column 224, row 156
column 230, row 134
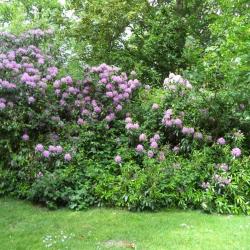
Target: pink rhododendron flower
column 154, row 144
column 177, row 122
column 2, row 106
column 221, row 141
column 39, row 148
column 139, row 148
column 128, row 120
column 25, row 137
column 118, row 159
column 52, row 149
column 142, row 137
column 198, row 136
column 236, row 152
column 31, row 99
column 156, row 137
column 46, row 153
column 176, row 149
column 39, row 175
column 150, row 154
column 67, row 157
column 59, row 149
column 80, row 121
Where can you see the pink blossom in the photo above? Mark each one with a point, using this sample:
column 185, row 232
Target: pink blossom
column 118, row 159
column 187, row 131
column 128, row 120
column 118, row 107
column 198, row 136
column 150, row 154
column 52, row 149
column 2, row 106
column 39, row 148
column 67, row 157
column 178, row 122
column 221, row 141
column 176, row 149
column 31, row 99
column 236, row 152
column 25, row 137
column 129, row 126
column 80, row 121
column 142, row 137
column 154, row 144
column 156, row 137
column 97, row 109
column 136, row 126
column 39, row 175
column 57, row 84
column 139, row 148
column 110, row 117
column 46, row 153
column 155, row 106
column 109, row 94
column 168, row 123
column 59, row 149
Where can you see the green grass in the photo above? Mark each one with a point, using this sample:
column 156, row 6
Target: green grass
column 25, row 226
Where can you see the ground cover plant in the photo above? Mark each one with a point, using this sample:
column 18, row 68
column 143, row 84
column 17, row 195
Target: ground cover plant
column 96, row 141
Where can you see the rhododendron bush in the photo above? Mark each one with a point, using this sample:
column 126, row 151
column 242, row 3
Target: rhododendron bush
column 103, row 139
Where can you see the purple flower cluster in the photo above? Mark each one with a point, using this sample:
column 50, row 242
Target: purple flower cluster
column 52, row 150
column 142, row 137
column 198, row 136
column 97, row 101
column 118, row 159
column 130, row 125
column 23, row 69
column 34, row 35
column 169, row 121
column 150, row 154
column 205, row 185
column 236, row 152
column 222, row 166
column 173, row 81
column 221, row 141
column 2, row 103
column 39, row 175
column 67, row 157
column 139, row 148
column 176, row 149
column 154, row 141
column 187, row 131
column 221, row 181
column 153, row 145
column 25, row 137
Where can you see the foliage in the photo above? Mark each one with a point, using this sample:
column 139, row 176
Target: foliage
column 223, row 63
column 142, row 36
column 98, row 137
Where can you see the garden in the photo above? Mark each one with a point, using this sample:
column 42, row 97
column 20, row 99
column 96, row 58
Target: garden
column 135, row 115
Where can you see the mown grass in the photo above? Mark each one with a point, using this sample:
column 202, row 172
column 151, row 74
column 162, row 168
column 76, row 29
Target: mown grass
column 24, row 226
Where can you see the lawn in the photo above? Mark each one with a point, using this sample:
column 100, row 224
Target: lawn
column 24, row 226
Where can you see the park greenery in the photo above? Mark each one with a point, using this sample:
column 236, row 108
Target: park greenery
column 141, row 104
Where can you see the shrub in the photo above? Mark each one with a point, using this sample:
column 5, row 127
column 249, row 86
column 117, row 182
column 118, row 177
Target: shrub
column 102, row 140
